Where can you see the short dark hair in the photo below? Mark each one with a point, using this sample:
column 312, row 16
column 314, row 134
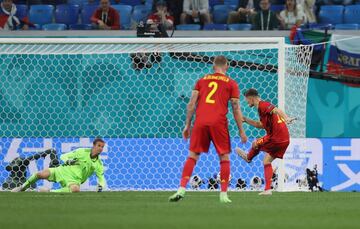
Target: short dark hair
column 220, row 61
column 98, row 140
column 251, row 92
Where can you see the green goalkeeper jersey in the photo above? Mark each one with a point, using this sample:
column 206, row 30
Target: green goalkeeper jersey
column 85, row 165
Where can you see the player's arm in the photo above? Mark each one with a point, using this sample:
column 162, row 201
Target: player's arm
column 254, row 123
column 99, row 171
column 238, row 116
column 190, row 110
column 283, row 115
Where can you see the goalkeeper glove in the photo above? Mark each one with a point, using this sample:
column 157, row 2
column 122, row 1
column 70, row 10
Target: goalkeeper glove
column 99, row 188
column 71, row 162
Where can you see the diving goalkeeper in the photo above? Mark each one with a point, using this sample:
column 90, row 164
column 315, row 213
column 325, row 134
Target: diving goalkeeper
column 78, row 166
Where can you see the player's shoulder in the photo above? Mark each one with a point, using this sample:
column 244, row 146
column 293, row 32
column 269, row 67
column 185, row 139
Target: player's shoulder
column 83, row 150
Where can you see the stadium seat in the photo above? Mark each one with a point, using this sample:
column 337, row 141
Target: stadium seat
column 86, row 13
column 188, row 27
column 231, row 2
column 215, row 2
column 54, row 26
column 352, row 14
column 277, row 8
column 347, row 27
column 220, row 14
column 77, row 2
column 331, row 14
column 41, row 14
column 320, row 26
column 131, row 2
column 80, row 27
column 141, row 13
column 67, row 14
column 215, row 27
column 22, row 11
column 125, row 15
column 239, row 26
column 149, row 3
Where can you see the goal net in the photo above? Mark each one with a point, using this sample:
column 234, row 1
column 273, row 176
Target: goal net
column 62, row 93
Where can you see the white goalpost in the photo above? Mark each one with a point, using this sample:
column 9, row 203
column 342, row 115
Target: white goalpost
column 62, row 92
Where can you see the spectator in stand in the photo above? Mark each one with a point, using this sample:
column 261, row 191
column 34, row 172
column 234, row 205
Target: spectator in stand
column 245, row 13
column 265, row 19
column 337, row 2
column 106, row 17
column 195, row 11
column 9, row 19
column 175, row 8
column 292, row 15
column 308, row 7
column 161, row 16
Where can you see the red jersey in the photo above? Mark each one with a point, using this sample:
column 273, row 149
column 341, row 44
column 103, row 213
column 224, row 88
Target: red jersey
column 156, row 19
column 215, row 91
column 274, row 125
column 111, row 18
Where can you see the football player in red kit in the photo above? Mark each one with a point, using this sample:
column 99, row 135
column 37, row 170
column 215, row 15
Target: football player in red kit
column 210, row 98
column 276, row 140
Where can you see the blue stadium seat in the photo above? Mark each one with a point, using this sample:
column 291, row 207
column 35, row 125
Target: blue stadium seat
column 141, row 13
column 41, row 14
column 320, row 26
column 22, row 11
column 86, row 13
column 239, row 26
column 77, row 2
column 220, row 14
column 215, row 27
column 231, row 2
column 125, row 15
column 188, row 27
column 149, row 3
column 54, row 26
column 352, row 14
column 131, row 2
column 215, row 2
column 347, row 26
column 277, row 8
column 331, row 14
column 67, row 14
column 80, row 27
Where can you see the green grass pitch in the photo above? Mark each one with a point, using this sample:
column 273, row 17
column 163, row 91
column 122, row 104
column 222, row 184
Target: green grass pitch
column 135, row 210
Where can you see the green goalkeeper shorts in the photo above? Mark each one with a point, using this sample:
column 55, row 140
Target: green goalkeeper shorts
column 64, row 176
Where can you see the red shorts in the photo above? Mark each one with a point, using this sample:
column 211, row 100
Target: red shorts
column 275, row 149
column 202, row 135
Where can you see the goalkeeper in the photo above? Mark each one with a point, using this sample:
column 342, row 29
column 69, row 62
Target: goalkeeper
column 79, row 165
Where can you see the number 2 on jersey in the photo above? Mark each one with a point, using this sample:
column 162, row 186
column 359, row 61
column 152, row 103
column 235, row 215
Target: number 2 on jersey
column 214, row 87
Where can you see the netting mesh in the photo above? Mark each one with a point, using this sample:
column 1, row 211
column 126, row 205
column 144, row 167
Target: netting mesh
column 62, row 96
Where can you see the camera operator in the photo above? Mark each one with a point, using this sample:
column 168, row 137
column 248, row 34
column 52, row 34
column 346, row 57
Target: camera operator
column 161, row 17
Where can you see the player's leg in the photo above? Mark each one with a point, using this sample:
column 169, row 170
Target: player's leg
column 185, row 176
column 224, row 177
column 44, row 174
column 221, row 139
column 199, row 142
column 268, row 173
column 254, row 151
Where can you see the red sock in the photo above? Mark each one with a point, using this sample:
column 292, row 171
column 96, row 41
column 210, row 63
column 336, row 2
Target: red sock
column 268, row 176
column 252, row 153
column 187, row 171
column 224, row 175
